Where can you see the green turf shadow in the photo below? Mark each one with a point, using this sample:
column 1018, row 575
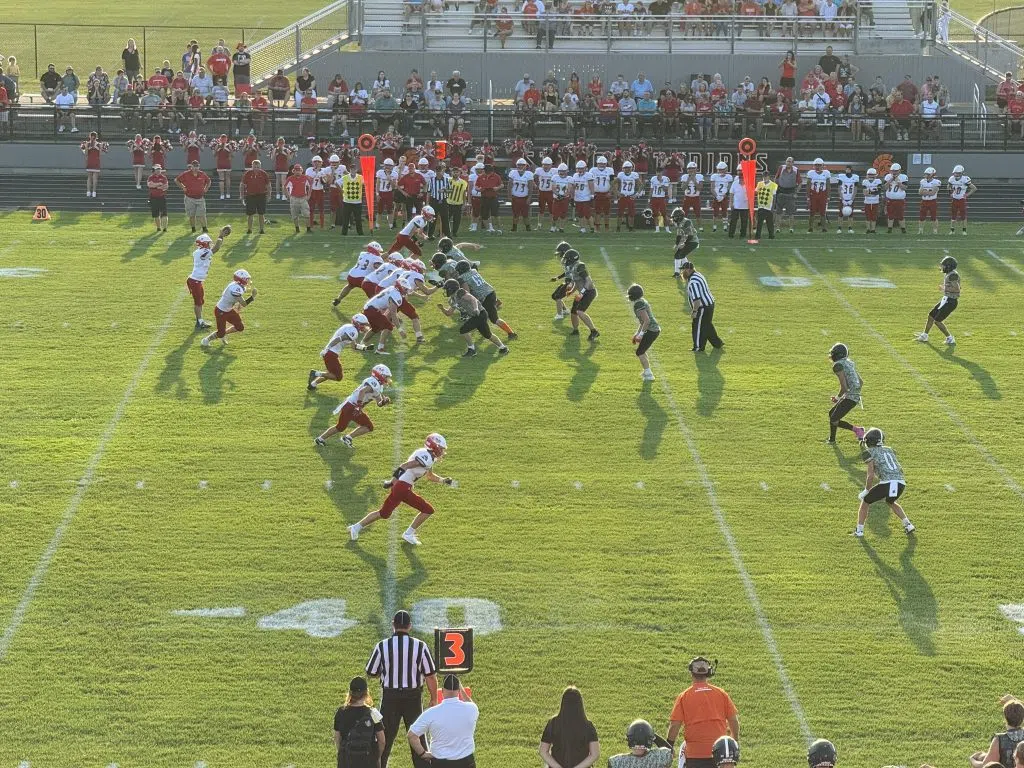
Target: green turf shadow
column 917, row 609
column 212, row 374
column 577, row 351
column 654, row 426
column 710, row 382
column 988, row 385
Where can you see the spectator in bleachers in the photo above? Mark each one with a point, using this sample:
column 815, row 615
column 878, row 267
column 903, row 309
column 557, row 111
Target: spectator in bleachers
column 647, row 114
column 166, row 71
column 716, row 89
column 5, row 106
column 1015, row 113
column 119, row 85
column 724, row 111
column 829, row 12
column 179, row 82
column 153, row 114
column 197, row 110
column 219, row 100
column 380, row 85
column 241, row 68
column 788, row 11
column 1003, row 746
column 202, row 84
column 643, row 751
column 414, row 85
column 503, row 26
column 260, row 108
column 307, row 114
column 522, row 86
column 608, row 111
column 525, row 117
column 532, row 93
column 550, row 79
column 71, row 82
column 433, row 83
column 358, row 100
column 139, row 86
column 131, row 59
column 569, row 739
column 549, row 99
column 627, row 112
column 13, row 73
column 64, row 112
column 97, row 88
column 187, row 56
column 408, row 108
column 595, row 87
column 668, row 106
column 158, row 81
column 929, row 113
column 569, row 106
column 1005, row 92
column 456, row 108
column 641, row 86
column 337, row 90
column 280, row 88
column 179, row 110
column 385, row 110
column 618, row 86
column 304, row 82
column 455, row 84
column 908, row 89
column 813, row 79
column 574, row 87
column 688, row 116
column 900, row 111
column 129, row 102
column 531, row 10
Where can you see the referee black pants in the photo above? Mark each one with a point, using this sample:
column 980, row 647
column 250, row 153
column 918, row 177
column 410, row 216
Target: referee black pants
column 455, row 219
column 462, row 762
column 703, row 328
column 351, row 213
column 397, row 707
column 441, row 215
column 741, row 215
column 765, row 217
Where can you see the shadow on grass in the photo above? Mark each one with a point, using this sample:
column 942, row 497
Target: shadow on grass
column 710, row 382
column 657, row 420
column 212, row 373
column 917, row 609
column 170, row 380
column 988, row 385
column 577, row 351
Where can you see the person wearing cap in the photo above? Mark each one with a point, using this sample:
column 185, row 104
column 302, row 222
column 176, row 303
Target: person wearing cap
column 702, row 308
column 297, row 187
column 352, row 188
column 440, row 182
column 789, row 181
column 646, row 748
column 252, row 190
column 157, row 185
column 448, row 729
column 194, row 183
column 488, row 183
column 704, row 712
column 358, row 729
column 403, row 663
column 739, row 211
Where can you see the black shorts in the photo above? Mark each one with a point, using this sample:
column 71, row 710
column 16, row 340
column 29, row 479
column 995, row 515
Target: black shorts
column 158, row 206
column 685, row 249
column 885, row 492
column 583, row 303
column 560, row 292
column 787, row 202
column 488, row 208
column 646, row 341
column 943, row 309
column 840, row 409
column 255, row 204
column 476, row 323
column 490, row 304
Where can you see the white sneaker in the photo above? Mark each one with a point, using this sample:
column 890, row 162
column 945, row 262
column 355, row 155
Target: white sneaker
column 858, row 534
column 657, row 229
column 222, row 197
column 583, row 230
column 950, row 341
column 228, row 195
column 60, row 129
column 472, row 227
column 647, row 375
column 353, row 531
column 922, row 337
column 559, row 316
column 74, row 130
column 909, row 528
column 204, row 342
column 410, row 538
column 138, row 186
column 553, row 229
column 850, row 230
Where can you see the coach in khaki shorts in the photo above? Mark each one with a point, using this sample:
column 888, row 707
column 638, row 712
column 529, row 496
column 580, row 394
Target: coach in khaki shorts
column 297, row 186
column 194, row 184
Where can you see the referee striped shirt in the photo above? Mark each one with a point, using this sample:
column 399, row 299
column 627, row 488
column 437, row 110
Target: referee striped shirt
column 439, row 186
column 697, row 288
column 401, row 662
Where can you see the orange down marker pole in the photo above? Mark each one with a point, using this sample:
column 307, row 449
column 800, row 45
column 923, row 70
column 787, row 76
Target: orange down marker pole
column 368, row 166
column 748, row 167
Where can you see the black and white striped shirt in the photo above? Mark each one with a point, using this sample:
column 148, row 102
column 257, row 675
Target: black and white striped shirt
column 697, row 288
column 401, row 662
column 439, row 186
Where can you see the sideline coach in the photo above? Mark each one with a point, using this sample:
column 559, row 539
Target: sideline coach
column 704, row 711
column 403, row 663
column 702, row 309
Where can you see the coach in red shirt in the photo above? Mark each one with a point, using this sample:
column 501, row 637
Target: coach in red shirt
column 487, row 184
column 218, row 65
column 194, row 184
column 413, row 187
column 253, row 193
column 298, row 186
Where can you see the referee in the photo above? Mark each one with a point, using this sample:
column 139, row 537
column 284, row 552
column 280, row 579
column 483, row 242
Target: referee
column 352, row 201
column 402, row 663
column 702, row 309
column 456, row 200
column 764, row 199
column 439, row 187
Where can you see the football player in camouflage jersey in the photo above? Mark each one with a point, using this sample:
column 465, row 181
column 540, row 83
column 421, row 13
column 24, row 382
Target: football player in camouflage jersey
column 646, row 749
column 560, row 292
column 950, row 298
column 578, row 276
column 883, row 465
column 454, row 251
column 686, row 238
column 483, row 292
column 648, row 331
column 472, row 317
column 850, row 384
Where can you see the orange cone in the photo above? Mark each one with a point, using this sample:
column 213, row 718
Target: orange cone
column 41, row 214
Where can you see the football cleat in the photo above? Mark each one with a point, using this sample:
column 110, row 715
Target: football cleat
column 410, row 538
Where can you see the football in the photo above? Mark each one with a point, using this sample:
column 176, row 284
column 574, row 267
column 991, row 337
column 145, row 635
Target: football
column 847, row 211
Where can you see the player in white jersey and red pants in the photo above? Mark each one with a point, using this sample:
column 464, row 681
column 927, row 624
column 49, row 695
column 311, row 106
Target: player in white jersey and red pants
column 202, row 257
column 848, row 182
column 960, row 188
column 387, row 179
column 520, row 184
column 345, row 336
column 692, row 185
column 721, row 183
column 896, row 197
column 413, row 233
column 371, row 258
column 581, row 186
column 419, row 465
column 560, row 182
column 818, row 181
column 627, row 187
column 382, row 313
column 872, row 193
column 227, row 310
column 371, row 284
column 661, row 189
column 351, row 409
column 602, row 176
column 542, row 177
column 317, row 175
column 929, row 208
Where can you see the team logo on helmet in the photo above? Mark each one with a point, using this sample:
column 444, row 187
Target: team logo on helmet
column 436, row 444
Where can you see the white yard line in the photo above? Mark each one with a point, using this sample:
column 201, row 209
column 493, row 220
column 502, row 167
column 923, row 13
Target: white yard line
column 896, row 355
column 1009, row 265
column 767, row 634
column 391, row 577
column 83, row 484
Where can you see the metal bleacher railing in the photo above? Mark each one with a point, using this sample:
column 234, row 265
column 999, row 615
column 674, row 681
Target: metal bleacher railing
column 973, row 130
column 979, row 45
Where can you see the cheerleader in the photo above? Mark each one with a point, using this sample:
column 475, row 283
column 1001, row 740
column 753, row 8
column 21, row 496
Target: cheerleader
column 158, row 150
column 92, row 147
column 251, row 149
column 193, row 144
column 138, row 147
column 223, row 149
column 282, row 155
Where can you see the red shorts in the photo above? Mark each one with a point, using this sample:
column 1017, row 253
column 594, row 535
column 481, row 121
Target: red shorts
column 817, row 202
column 544, row 200
column 385, row 202
column 560, row 208
column 224, row 165
column 335, row 198
column 333, row 364
column 627, row 205
column 692, row 205
column 350, row 413
column 195, row 287
column 929, row 210
column 602, row 203
column 92, row 165
column 894, row 210
column 355, row 282
column 871, row 211
column 404, row 241
column 958, row 210
column 403, row 493
column 223, row 318
column 719, row 207
column 520, row 207
column 659, row 206
column 316, row 199
column 370, row 289
column 474, row 206
column 378, row 320
column 584, row 208
column 408, row 310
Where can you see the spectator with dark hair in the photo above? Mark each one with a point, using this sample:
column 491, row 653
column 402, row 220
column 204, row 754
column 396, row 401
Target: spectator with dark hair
column 1005, row 91
column 900, row 111
column 279, row 87
column 358, row 729
column 503, row 26
column 380, row 85
column 1003, row 745
column 129, row 103
column 71, row 82
column 118, row 85
column 97, row 88
column 50, row 84
column 241, row 67
column 64, row 112
column 414, row 84
column 829, row 62
column 908, row 89
column 646, row 749
column 456, row 108
column 131, row 59
column 303, row 83
column 569, row 739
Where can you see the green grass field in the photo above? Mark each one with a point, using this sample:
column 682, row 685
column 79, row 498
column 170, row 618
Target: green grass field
column 617, row 528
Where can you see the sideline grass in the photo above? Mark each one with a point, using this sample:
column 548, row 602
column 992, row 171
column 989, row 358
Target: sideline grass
column 580, row 513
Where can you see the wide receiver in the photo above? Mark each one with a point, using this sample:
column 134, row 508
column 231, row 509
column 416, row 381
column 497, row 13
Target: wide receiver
column 231, row 303
column 419, row 465
column 345, row 336
column 351, row 409
column 882, row 463
column 950, row 298
column 850, row 384
column 202, row 257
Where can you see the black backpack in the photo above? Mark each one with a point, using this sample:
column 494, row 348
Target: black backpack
column 361, row 739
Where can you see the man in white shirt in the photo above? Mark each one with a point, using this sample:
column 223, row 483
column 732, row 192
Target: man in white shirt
column 619, row 86
column 739, row 208
column 449, row 729
column 65, row 105
column 828, row 11
column 522, row 87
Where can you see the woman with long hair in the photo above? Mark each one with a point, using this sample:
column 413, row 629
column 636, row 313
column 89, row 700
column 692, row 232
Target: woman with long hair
column 358, row 729
column 569, row 739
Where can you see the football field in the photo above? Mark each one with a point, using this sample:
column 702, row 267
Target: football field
column 177, row 585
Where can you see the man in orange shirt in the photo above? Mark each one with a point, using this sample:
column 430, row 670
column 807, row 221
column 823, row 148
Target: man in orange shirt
column 704, row 712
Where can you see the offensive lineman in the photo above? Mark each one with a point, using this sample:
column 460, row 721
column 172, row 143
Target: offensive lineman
column 960, row 188
column 850, row 384
column 472, row 315
column 484, row 292
column 687, row 240
column 419, row 465
column 345, row 336
column 950, row 298
column 202, row 257
column 351, row 409
column 227, row 310
column 371, row 258
column 882, row 463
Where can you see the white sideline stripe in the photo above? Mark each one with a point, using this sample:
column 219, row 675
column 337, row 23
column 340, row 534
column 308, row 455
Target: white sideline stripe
column 234, row 612
column 83, row 485
column 767, row 634
column 391, row 576
column 960, row 424
column 1009, row 265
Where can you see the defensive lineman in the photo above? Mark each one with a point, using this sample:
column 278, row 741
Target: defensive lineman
column 202, row 257
column 850, row 384
column 882, row 463
column 950, row 298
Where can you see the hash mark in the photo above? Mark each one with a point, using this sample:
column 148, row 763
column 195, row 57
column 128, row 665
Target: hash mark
column 202, row 485
column 328, row 484
column 14, row 484
column 139, row 485
column 950, row 488
column 515, row 484
column 639, row 485
column 764, row 486
column 578, row 485
column 825, row 487
column 266, row 485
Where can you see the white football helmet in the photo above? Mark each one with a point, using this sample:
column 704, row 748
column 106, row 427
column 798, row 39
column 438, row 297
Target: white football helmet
column 381, row 373
column 520, row 162
column 204, row 241
column 818, row 161
column 581, row 165
column 958, row 169
column 423, row 161
column 414, row 278
column 334, row 159
column 722, row 166
column 602, row 160
column 428, row 212
column 436, row 444
column 375, row 248
column 478, row 167
column 350, row 332
column 317, row 159
column 872, row 172
column 895, row 167
column 929, row 171
column 563, row 167
column 546, row 162
column 360, row 321
column 403, row 285
column 388, row 161
column 243, row 277
column 690, row 165
column 415, row 265
column 626, row 165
